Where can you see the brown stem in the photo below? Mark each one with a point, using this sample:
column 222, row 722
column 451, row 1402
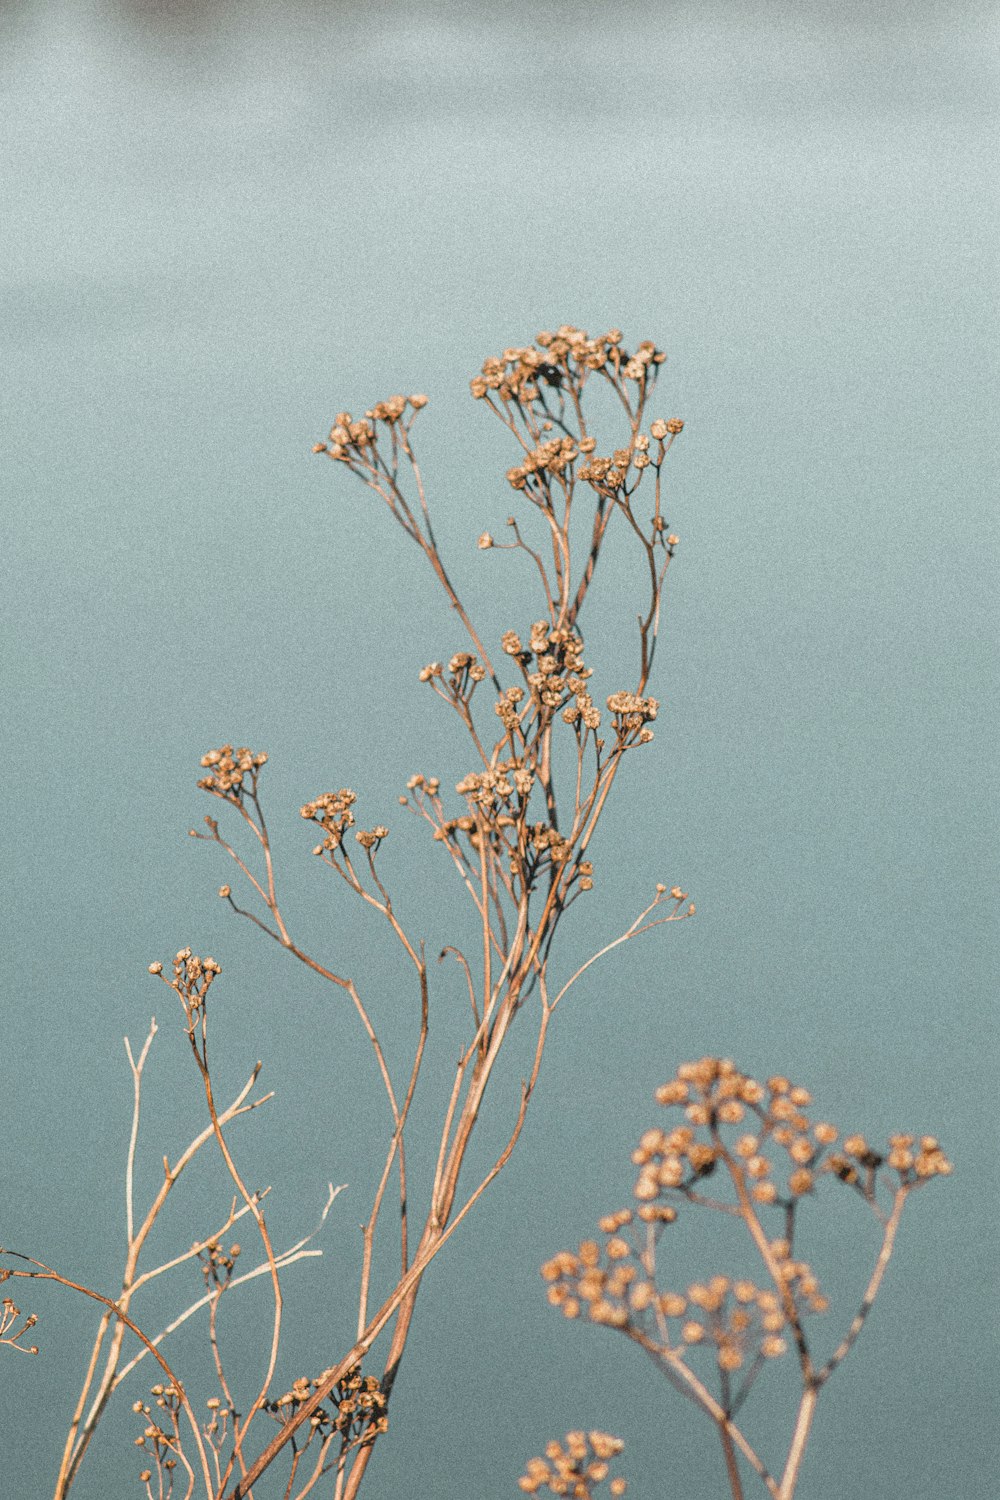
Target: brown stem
column 46, row 1273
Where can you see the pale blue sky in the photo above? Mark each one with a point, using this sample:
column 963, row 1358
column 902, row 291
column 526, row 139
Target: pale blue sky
column 221, row 224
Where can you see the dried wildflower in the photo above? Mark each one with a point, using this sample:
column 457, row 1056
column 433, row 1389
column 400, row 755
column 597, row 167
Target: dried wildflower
column 575, row 1466
column 519, row 848
column 371, row 838
column 232, row 773
column 736, row 1322
column 332, row 811
column 631, row 712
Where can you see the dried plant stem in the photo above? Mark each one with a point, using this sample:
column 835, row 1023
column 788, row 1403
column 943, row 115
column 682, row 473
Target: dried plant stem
column 197, row 1032
column 286, row 1258
column 545, row 770
column 82, row 1428
column 728, row 1448
column 871, row 1291
column 731, row 1120
column 800, row 1437
column 501, row 1002
column 42, row 1272
column 689, row 1384
column 433, row 1241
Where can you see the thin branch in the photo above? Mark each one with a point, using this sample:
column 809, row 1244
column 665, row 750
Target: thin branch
column 637, row 927
column 136, row 1068
column 871, row 1291
column 47, row 1273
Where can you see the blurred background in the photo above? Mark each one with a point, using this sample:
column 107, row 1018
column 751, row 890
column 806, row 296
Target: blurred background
column 222, row 224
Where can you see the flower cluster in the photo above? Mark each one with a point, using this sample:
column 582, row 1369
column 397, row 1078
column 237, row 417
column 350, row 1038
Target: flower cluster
column 506, row 708
column 231, row 772
column 332, row 811
column 218, row 1424
column 574, row 1466
column 464, row 671
column 350, row 440
column 421, row 784
column 160, row 1438
column 370, row 838
column 734, row 1126
column 737, row 1319
column 192, row 977
column 715, row 1094
column 9, row 1316
column 552, row 458
column 569, row 354
column 582, row 711
column 548, row 840
column 497, row 800
column 217, row 1263
column 465, row 824
column 915, row 1158
column 496, row 788
column 358, row 1407
column 556, row 655
column 465, row 667
column 631, row 714
column 608, row 475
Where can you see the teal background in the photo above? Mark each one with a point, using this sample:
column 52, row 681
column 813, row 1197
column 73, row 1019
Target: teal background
column 221, row 224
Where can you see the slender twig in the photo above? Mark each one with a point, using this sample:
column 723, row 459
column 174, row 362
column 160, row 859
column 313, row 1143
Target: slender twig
column 42, row 1272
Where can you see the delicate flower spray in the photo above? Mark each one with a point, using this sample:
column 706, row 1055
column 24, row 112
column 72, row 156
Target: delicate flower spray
column 749, row 1151
column 512, row 831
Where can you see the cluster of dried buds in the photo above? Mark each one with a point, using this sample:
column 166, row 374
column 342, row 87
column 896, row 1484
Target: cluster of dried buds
column 631, row 715
column 552, row 458
column 217, row 1263
column 554, row 671
column 155, row 1439
column 10, row 1333
column 465, row 670
column 232, row 773
column 575, row 1466
column 733, row 1128
column 332, row 811
column 741, row 1321
column 714, row 1094
column 358, row 1406
column 566, row 356
column 497, row 788
column 350, row 440
column 192, row 977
